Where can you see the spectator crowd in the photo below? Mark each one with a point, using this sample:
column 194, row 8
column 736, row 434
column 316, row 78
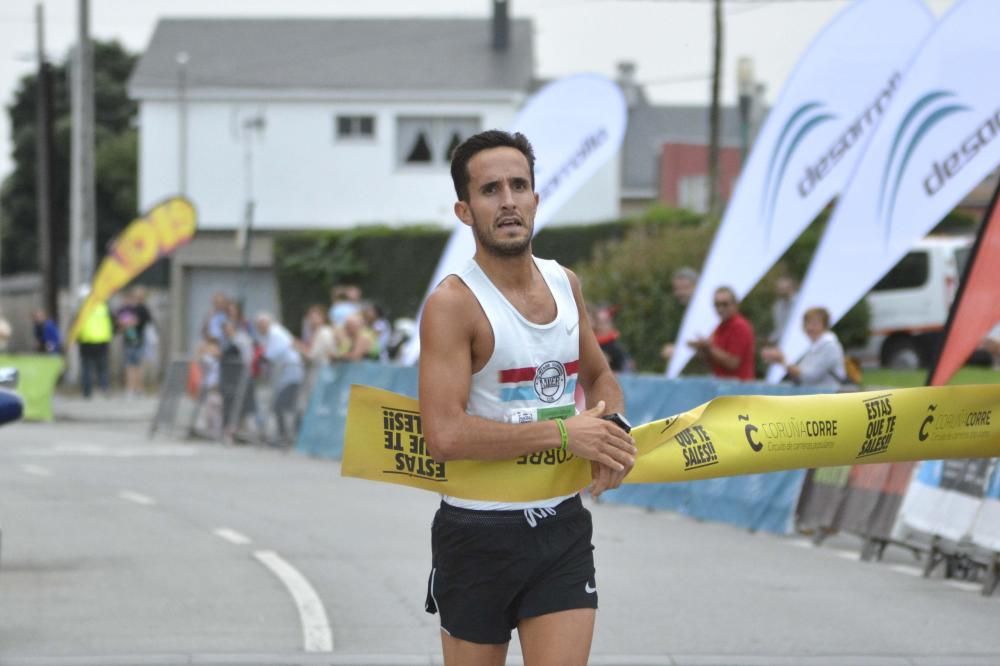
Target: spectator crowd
column 248, row 375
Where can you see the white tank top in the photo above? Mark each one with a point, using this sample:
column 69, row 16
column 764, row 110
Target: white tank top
column 533, row 372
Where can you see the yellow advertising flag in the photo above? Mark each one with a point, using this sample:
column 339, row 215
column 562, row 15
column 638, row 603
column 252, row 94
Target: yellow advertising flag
column 154, row 235
column 727, row 436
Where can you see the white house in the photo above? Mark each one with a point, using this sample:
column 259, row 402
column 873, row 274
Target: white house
column 321, row 123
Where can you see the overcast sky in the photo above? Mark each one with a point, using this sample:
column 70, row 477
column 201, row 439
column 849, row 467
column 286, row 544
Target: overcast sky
column 669, row 40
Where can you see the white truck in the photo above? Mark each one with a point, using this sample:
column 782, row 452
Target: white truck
column 909, row 306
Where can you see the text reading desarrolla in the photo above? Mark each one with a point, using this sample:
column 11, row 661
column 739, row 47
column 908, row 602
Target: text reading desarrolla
column 404, row 435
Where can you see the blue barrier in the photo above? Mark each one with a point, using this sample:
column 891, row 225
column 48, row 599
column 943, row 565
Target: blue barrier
column 322, row 430
column 758, row 502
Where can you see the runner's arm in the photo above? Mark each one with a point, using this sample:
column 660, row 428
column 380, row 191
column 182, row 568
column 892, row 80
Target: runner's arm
column 596, row 377
column 599, row 385
column 446, row 335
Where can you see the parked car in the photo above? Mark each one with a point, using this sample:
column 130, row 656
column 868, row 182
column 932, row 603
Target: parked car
column 909, row 306
column 11, row 406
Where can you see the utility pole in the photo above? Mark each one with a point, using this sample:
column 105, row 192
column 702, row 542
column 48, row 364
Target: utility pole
column 714, row 116
column 82, row 196
column 82, row 204
column 746, row 86
column 43, row 172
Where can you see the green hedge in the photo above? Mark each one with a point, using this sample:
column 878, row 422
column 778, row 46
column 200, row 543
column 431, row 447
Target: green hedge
column 393, row 266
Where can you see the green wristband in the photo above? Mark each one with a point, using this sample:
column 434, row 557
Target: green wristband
column 563, row 435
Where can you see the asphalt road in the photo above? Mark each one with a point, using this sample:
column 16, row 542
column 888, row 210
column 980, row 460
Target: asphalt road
column 119, row 550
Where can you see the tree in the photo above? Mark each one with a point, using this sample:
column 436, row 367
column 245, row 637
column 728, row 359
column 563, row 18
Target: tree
column 115, row 159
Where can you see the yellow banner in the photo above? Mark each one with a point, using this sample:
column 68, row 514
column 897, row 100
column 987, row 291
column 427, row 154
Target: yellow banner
column 727, row 436
column 156, row 234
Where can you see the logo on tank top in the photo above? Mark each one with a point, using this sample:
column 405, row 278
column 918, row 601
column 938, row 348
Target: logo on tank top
column 550, row 381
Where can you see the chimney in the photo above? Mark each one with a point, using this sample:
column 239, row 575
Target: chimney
column 629, row 85
column 501, row 25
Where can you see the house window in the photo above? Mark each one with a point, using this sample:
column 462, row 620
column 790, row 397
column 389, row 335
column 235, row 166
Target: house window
column 692, row 193
column 431, row 141
column 355, row 127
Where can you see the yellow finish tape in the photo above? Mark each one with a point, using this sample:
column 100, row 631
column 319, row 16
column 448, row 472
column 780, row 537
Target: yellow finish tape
column 727, row 436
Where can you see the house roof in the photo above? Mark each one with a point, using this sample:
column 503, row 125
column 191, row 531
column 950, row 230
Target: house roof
column 649, row 127
column 326, row 54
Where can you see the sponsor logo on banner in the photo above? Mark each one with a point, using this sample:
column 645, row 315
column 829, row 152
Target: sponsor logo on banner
column 800, row 124
column 403, row 435
column 941, row 426
column 881, row 426
column 818, row 170
column 548, row 457
column 573, row 164
column 806, row 118
column 749, row 431
column 792, row 434
column 930, row 110
column 697, row 448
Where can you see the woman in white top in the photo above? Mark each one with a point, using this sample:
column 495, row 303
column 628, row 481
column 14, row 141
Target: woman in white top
column 317, row 352
column 822, row 365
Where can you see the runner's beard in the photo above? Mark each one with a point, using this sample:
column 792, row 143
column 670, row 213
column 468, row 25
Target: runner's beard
column 513, row 247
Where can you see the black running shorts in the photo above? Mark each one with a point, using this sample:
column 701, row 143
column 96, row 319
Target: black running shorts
column 491, row 569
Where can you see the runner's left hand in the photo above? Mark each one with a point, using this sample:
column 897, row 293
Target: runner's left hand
column 605, row 478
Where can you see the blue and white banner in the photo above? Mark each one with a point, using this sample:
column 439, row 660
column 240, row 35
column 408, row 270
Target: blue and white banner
column 937, row 141
column 843, row 85
column 575, row 125
column 986, row 528
column 945, row 496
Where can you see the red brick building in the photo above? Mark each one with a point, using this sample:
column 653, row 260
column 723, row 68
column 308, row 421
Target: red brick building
column 684, row 174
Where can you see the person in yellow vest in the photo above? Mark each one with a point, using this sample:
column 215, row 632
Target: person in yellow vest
column 95, row 340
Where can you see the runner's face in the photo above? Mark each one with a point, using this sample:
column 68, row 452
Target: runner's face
column 502, row 204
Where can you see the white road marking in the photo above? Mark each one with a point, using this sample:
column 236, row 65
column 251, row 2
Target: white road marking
column 964, row 585
column 138, row 498
column 906, row 569
column 801, row 543
column 316, row 632
column 36, row 470
column 232, row 536
column 847, row 555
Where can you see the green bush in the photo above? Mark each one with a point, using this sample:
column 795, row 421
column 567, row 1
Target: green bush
column 635, row 272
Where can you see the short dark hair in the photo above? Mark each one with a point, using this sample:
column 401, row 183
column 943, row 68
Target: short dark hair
column 466, row 150
column 728, row 290
column 820, row 313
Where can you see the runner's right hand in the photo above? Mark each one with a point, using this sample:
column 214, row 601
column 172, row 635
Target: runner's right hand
column 595, row 439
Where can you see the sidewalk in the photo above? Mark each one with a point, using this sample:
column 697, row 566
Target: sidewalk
column 101, row 408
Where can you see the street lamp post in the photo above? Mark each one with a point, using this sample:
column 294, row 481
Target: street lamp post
column 182, row 59
column 252, row 127
column 746, row 87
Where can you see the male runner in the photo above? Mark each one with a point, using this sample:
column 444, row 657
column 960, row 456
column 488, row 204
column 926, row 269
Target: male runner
column 503, row 345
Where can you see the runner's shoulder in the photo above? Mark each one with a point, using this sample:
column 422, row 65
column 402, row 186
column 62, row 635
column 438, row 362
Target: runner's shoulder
column 451, row 300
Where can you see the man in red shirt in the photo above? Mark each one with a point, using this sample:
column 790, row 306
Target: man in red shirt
column 730, row 349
